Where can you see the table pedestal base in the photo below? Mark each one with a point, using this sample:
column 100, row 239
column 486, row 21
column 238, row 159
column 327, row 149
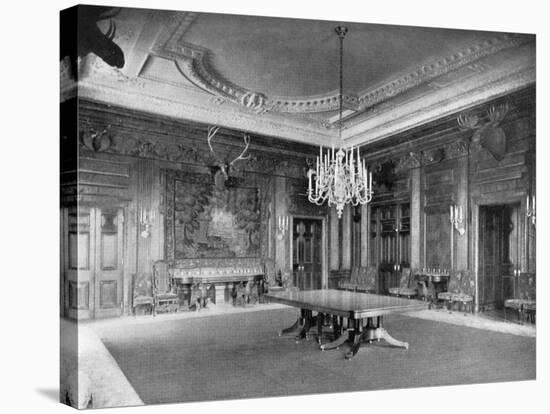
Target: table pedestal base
column 306, row 321
column 356, row 334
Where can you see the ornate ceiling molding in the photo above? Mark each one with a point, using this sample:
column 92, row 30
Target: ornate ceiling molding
column 446, row 102
column 194, row 64
column 429, row 71
column 142, row 97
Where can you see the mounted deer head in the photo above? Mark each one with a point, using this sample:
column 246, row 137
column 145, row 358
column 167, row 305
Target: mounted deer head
column 489, row 135
column 222, row 168
column 90, row 38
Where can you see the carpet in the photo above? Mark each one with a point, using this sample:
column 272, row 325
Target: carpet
column 241, row 356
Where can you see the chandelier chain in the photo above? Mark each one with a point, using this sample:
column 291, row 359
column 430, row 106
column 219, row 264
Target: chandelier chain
column 341, row 35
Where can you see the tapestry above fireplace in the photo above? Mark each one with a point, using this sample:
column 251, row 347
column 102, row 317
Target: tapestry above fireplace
column 203, row 221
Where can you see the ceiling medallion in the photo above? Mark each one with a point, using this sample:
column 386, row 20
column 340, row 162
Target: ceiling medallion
column 340, row 178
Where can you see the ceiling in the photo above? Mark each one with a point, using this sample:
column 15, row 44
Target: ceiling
column 279, row 77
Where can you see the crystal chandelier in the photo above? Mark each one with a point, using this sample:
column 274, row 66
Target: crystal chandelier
column 340, row 177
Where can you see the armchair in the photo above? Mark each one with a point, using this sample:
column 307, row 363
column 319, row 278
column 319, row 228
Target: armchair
column 404, row 288
column 460, row 290
column 351, row 283
column 142, row 292
column 164, row 294
column 525, row 304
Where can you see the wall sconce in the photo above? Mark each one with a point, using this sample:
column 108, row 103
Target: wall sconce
column 146, row 220
column 531, row 209
column 282, row 226
column 456, row 218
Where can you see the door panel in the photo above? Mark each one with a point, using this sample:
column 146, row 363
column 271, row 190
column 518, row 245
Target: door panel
column 510, row 267
column 499, row 250
column 108, row 269
column 77, row 268
column 307, row 256
column 92, row 245
column 390, row 243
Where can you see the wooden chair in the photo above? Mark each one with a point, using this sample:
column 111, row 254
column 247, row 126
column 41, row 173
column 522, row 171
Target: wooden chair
column 404, row 288
column 525, row 304
column 367, row 279
column 352, row 282
column 269, row 272
column 142, row 292
column 252, row 292
column 460, row 290
column 422, row 286
column 164, row 289
column 239, row 294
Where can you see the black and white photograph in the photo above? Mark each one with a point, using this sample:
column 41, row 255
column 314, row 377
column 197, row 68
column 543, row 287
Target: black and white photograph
column 319, row 210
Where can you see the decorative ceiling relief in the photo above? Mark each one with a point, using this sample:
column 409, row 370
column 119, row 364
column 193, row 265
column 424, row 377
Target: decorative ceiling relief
column 194, row 63
column 488, row 135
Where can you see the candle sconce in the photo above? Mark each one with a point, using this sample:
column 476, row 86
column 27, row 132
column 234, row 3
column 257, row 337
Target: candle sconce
column 146, row 220
column 531, row 209
column 282, row 226
column 456, row 218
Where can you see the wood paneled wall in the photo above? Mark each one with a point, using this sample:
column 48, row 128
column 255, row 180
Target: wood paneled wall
column 121, row 156
column 449, row 165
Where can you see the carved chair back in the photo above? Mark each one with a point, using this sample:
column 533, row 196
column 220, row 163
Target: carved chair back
column 142, row 285
column 527, row 286
column 269, row 271
column 405, row 279
column 354, row 277
column 368, row 276
column 454, row 282
column 372, row 277
column 423, row 292
column 162, row 279
column 142, row 291
column 467, row 283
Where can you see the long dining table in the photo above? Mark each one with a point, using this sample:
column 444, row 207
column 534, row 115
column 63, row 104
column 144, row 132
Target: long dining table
column 361, row 313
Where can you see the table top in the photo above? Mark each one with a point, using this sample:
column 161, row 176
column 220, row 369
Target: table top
column 344, row 303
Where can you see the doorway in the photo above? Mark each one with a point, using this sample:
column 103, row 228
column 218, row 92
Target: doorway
column 91, row 262
column 499, row 256
column 307, row 253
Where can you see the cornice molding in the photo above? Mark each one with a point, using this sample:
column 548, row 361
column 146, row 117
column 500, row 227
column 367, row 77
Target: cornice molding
column 140, row 99
column 110, row 138
column 438, row 105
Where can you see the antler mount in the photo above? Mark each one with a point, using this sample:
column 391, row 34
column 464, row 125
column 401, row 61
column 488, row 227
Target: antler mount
column 222, row 166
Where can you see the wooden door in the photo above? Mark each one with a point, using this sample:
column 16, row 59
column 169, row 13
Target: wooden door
column 510, row 269
column 92, row 243
column 499, row 254
column 108, row 262
column 391, row 233
column 307, row 253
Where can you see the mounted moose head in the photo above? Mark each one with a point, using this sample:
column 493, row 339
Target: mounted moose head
column 489, row 135
column 222, row 168
column 89, row 38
